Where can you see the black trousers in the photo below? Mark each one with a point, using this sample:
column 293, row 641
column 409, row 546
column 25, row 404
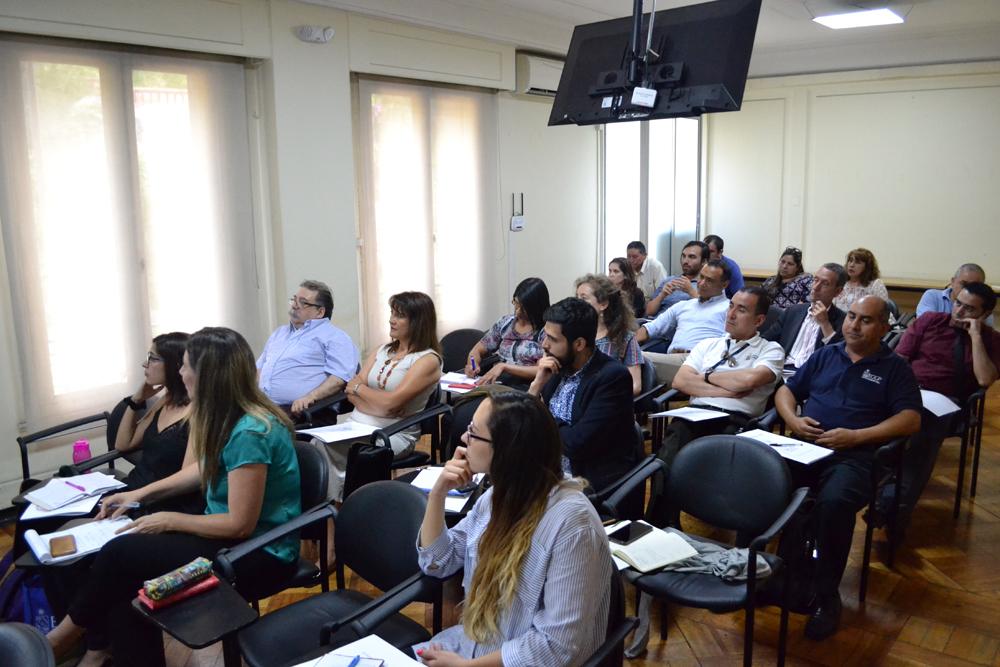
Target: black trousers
column 918, row 464
column 103, row 600
column 841, row 484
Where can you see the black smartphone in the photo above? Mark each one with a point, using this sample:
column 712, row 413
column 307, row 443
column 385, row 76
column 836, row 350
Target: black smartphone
column 629, row 533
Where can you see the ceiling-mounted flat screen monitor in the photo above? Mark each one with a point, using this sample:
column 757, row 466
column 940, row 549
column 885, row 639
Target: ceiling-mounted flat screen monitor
column 696, row 63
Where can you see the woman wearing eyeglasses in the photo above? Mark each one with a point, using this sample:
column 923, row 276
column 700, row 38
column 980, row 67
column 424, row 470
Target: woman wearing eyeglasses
column 791, row 285
column 537, row 567
column 162, row 432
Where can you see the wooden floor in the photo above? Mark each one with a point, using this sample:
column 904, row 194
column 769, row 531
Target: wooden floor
column 939, row 605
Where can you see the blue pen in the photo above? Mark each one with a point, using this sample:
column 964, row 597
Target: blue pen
column 472, row 360
column 354, row 663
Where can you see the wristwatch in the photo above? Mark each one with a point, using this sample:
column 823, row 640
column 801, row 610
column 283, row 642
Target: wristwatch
column 135, row 406
column 707, row 373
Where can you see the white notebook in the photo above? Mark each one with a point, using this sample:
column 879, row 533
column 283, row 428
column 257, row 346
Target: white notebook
column 60, row 491
column 652, row 551
column 789, row 448
column 90, row 537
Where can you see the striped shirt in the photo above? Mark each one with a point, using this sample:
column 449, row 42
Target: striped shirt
column 559, row 614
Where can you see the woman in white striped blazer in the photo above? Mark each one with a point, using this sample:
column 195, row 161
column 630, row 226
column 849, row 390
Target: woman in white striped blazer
column 537, row 564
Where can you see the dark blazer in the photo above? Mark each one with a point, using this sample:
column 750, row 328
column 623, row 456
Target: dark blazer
column 786, row 329
column 600, row 443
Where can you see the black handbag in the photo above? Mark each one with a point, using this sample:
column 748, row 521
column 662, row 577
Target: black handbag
column 366, row 463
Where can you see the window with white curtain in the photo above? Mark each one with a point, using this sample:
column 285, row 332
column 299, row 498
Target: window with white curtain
column 428, row 193
column 651, row 187
column 126, row 212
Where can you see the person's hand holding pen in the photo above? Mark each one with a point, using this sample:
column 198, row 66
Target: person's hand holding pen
column 472, row 368
column 116, row 504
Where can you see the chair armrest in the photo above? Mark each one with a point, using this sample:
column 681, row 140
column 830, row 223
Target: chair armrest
column 225, row 558
column 762, row 540
column 383, row 434
column 669, row 395
column 381, row 608
column 93, row 462
column 610, row 498
column 888, row 452
column 651, row 393
column 323, row 404
column 610, row 645
column 765, row 421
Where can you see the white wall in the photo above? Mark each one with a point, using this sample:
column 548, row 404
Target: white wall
column 903, row 161
column 557, row 170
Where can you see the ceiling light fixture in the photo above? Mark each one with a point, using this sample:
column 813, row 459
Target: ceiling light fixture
column 861, row 19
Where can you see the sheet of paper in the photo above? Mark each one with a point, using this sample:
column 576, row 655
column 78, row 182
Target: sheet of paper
column 60, row 491
column 692, row 414
column 449, row 380
column 939, row 404
column 371, row 646
column 349, row 430
column 789, row 448
column 90, row 537
column 77, row 508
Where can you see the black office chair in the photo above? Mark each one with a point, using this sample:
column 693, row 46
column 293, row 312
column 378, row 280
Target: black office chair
column 24, row 646
column 969, row 428
column 376, row 530
column 110, row 421
column 888, row 465
column 430, row 423
column 455, row 348
column 611, row 652
column 314, row 472
column 773, row 313
column 737, row 484
column 643, row 403
column 615, row 500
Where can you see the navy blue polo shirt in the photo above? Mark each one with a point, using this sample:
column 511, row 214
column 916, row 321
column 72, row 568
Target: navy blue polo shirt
column 844, row 394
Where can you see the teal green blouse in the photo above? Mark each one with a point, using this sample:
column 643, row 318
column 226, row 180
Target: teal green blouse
column 254, row 441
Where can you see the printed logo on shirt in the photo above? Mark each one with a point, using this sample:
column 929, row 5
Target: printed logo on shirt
column 868, row 375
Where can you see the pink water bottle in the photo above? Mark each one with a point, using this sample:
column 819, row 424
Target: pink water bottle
column 81, row 451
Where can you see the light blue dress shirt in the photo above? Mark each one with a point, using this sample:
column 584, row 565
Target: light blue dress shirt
column 296, row 361
column 690, row 322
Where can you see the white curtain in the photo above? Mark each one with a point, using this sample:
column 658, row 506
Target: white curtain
column 428, row 201
column 126, row 212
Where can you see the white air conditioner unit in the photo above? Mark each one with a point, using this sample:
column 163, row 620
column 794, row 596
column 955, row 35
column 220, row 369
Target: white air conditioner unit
column 537, row 75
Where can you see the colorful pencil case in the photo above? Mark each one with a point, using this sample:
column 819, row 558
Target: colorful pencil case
column 206, row 584
column 173, row 581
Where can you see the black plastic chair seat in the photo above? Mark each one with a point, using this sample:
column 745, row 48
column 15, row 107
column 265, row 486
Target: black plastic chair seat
column 299, row 625
column 306, row 575
column 705, row 591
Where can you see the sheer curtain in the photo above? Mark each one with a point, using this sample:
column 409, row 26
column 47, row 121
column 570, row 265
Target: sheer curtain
column 126, row 212
column 428, row 201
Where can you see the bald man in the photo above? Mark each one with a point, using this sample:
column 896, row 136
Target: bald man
column 857, row 395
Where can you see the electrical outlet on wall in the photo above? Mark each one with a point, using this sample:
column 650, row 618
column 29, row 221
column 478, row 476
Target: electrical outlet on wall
column 516, row 223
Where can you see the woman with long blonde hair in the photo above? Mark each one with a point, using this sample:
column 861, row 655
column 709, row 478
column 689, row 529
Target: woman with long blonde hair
column 537, row 564
column 241, row 457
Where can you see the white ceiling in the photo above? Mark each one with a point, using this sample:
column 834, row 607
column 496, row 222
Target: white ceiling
column 788, row 41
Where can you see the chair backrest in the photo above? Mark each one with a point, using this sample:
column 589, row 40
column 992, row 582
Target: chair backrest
column 647, row 375
column 773, row 313
column 314, row 471
column 730, row 482
column 25, row 646
column 376, row 532
column 455, row 347
column 893, row 308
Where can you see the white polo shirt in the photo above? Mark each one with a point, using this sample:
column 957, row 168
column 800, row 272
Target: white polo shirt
column 743, row 355
column 649, row 277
